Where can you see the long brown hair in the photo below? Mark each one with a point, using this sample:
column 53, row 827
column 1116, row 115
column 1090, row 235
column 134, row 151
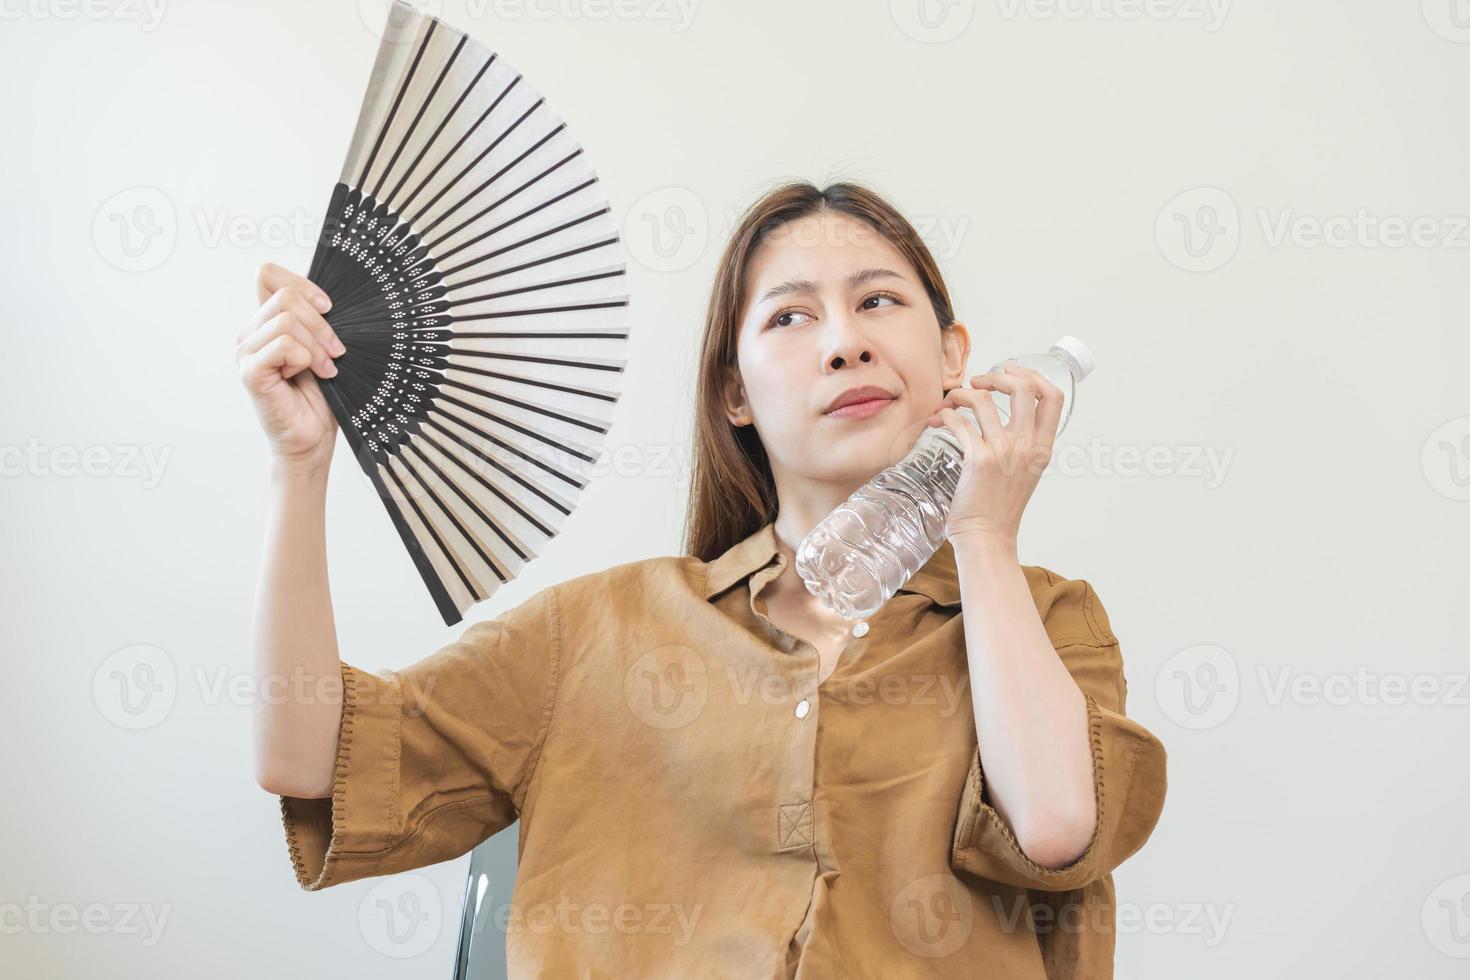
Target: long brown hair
column 732, row 491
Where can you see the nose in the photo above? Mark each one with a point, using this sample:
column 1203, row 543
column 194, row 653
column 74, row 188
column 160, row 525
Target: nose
column 846, row 345
column 838, row 361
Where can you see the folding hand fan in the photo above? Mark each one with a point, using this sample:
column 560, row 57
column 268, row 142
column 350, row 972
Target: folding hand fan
column 478, row 283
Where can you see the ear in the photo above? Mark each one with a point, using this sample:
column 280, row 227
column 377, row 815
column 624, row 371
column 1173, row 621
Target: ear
column 954, row 346
column 733, row 395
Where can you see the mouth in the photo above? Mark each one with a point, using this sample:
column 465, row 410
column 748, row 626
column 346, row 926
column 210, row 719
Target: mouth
column 861, row 410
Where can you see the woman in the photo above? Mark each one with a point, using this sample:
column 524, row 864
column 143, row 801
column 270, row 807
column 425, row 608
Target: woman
column 715, row 775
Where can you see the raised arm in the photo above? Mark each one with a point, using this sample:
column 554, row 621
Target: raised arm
column 280, row 351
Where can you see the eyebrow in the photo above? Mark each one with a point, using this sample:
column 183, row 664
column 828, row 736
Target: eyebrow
column 807, row 286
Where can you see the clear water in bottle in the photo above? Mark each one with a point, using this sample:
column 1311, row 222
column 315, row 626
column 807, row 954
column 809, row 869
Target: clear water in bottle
column 875, row 540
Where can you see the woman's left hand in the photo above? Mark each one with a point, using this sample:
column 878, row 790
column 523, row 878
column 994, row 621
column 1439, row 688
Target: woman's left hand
column 1003, row 461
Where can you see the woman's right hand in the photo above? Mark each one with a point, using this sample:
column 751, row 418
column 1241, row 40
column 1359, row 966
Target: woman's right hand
column 280, row 352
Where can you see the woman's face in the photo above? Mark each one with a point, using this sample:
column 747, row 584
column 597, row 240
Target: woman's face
column 832, row 305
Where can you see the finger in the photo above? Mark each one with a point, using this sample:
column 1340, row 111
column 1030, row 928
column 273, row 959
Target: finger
column 284, row 357
column 1022, row 391
column 290, row 299
column 288, row 324
column 285, row 298
column 282, row 323
column 963, row 429
column 1050, row 400
column 1023, row 398
column 980, row 403
column 272, row 277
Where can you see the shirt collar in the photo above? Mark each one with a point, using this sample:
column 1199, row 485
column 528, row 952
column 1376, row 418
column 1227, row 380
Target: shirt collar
column 937, row 578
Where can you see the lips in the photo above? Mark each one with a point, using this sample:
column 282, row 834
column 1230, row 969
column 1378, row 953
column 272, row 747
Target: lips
column 855, row 396
column 861, row 410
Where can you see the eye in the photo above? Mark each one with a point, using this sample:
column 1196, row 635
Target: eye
column 887, row 296
column 776, row 321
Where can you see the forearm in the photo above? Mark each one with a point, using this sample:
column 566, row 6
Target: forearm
column 294, row 656
column 1030, row 715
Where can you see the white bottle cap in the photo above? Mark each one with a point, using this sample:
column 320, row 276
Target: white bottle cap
column 1079, row 351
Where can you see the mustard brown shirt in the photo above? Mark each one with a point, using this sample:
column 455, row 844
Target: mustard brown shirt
column 693, row 803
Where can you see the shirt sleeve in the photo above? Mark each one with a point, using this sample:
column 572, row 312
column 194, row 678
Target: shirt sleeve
column 1128, row 761
column 436, row 757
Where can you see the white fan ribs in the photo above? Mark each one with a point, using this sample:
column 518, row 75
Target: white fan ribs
column 479, row 284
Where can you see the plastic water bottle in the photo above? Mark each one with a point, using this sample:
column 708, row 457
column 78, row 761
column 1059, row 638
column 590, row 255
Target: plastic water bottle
column 876, row 539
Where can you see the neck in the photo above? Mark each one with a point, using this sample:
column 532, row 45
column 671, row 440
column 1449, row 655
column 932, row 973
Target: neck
column 793, row 523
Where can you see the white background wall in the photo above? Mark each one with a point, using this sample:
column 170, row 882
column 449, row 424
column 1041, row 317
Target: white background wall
column 1062, row 160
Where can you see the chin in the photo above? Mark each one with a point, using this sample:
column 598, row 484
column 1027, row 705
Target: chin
column 852, row 461
column 878, row 444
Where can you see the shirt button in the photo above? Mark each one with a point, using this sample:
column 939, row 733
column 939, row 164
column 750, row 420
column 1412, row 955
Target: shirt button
column 861, row 629
column 802, row 707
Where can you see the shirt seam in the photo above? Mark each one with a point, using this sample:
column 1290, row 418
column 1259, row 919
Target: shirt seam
column 1091, row 642
column 1089, row 611
column 423, row 822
